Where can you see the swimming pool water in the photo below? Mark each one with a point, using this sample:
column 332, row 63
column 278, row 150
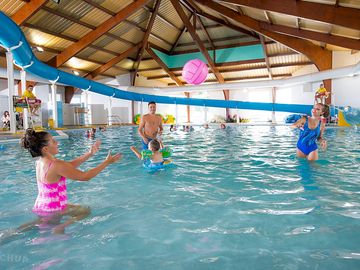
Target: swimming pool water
column 233, row 199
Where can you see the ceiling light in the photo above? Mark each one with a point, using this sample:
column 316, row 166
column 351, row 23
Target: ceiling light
column 39, row 49
column 56, row 1
column 76, row 72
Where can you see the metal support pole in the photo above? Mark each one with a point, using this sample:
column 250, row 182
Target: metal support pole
column 273, row 94
column 205, row 114
column 176, row 115
column 10, row 77
column 54, row 104
column 110, row 112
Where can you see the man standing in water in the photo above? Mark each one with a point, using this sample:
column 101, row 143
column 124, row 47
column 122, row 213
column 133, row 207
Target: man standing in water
column 150, row 125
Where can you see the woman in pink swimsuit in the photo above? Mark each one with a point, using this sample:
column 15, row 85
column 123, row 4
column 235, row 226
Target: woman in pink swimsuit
column 51, row 173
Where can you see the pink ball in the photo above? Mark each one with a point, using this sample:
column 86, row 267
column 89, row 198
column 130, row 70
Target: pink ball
column 195, row 71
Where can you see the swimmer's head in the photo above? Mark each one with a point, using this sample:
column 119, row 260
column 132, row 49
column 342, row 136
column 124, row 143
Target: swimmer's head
column 38, row 143
column 152, row 107
column 154, row 145
column 320, row 109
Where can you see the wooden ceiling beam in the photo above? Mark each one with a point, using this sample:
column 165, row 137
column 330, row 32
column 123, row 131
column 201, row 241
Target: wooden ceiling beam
column 51, row 50
column 135, row 25
column 246, row 78
column 161, row 18
column 200, row 45
column 145, row 39
column 343, row 16
column 217, row 20
column 320, row 57
column 220, row 65
column 113, row 62
column 27, row 10
column 164, row 66
column 266, row 57
column 178, row 72
column 196, row 38
column 178, row 37
column 344, row 42
column 214, row 40
column 77, row 21
column 67, row 38
column 206, row 32
column 87, row 39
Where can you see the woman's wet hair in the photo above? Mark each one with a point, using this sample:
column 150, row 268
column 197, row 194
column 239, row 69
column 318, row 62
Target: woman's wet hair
column 35, row 141
column 325, row 110
column 155, row 145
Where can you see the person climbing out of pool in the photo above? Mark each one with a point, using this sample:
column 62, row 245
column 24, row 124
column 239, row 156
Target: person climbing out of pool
column 51, row 203
column 311, row 130
column 150, row 127
column 154, row 147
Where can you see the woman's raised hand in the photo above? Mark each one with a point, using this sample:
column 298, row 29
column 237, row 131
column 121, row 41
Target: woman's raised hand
column 113, row 158
column 95, row 147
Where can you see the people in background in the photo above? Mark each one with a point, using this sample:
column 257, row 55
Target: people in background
column 6, row 119
column 206, row 125
column 150, row 126
column 33, row 102
column 321, row 94
column 172, row 128
column 311, row 131
column 222, row 126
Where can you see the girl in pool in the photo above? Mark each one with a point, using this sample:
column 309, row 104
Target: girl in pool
column 51, row 173
column 311, row 129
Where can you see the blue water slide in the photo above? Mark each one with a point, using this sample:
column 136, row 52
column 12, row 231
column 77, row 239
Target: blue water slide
column 12, row 38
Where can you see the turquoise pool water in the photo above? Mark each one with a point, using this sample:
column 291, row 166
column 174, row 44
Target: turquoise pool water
column 234, row 199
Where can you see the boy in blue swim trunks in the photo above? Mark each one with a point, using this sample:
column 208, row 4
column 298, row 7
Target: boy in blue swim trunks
column 311, row 130
column 150, row 127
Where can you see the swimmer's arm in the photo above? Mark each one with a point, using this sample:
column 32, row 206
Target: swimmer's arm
column 65, row 169
column 136, row 152
column 299, row 123
column 321, row 139
column 160, row 126
column 93, row 150
column 141, row 128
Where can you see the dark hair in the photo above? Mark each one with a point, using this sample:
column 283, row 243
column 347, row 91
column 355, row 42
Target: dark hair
column 325, row 110
column 155, row 145
column 30, row 85
column 151, row 102
column 35, row 141
column 6, row 112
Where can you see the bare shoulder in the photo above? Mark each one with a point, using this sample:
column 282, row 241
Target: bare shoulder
column 58, row 163
column 145, row 116
column 303, row 118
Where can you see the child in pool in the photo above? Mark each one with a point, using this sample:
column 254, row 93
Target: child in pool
column 311, row 129
column 154, row 146
column 51, row 173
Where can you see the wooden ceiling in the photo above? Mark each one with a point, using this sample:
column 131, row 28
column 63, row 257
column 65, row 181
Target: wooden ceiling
column 105, row 38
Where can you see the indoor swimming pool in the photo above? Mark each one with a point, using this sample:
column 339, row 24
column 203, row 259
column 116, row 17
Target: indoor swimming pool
column 237, row 198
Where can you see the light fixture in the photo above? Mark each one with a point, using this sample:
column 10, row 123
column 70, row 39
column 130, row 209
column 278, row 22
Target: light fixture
column 39, row 49
column 76, row 72
column 56, row 1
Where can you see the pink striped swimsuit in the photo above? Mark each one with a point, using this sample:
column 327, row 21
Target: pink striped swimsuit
column 51, row 196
